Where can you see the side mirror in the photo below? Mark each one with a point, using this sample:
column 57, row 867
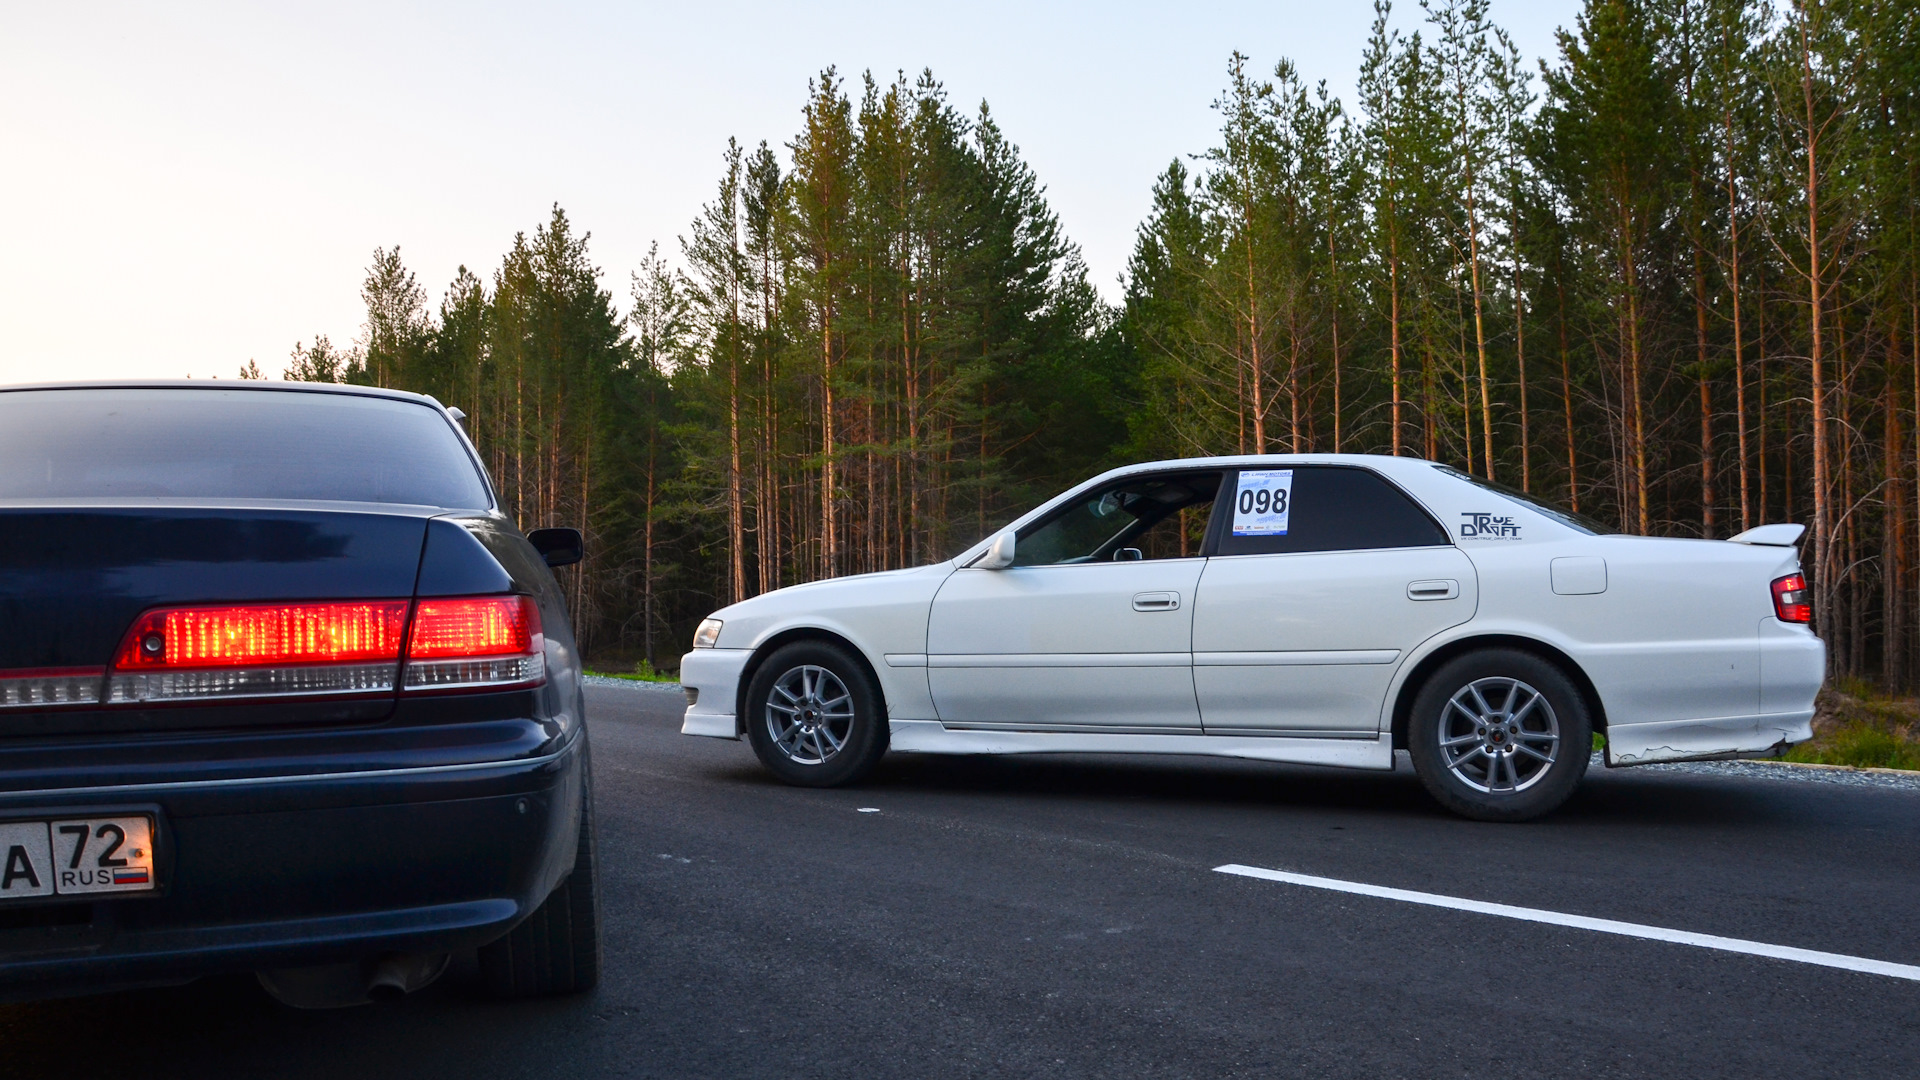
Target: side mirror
column 1128, row 555
column 560, row 547
column 1000, row 555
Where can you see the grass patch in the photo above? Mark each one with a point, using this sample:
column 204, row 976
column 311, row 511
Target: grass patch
column 1855, row 724
column 642, row 672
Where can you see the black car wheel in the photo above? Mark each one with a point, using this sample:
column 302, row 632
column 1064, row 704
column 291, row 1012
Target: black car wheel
column 1500, row 735
column 814, row 716
column 555, row 950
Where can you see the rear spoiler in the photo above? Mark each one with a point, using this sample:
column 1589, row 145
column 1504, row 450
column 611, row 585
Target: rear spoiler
column 1770, row 536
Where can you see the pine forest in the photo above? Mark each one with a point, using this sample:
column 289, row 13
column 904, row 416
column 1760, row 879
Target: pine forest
column 1668, row 277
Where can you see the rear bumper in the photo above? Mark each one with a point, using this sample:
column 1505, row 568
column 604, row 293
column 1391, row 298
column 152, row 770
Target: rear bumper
column 291, row 871
column 1724, row 737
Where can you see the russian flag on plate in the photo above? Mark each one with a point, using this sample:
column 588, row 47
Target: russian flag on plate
column 130, row 875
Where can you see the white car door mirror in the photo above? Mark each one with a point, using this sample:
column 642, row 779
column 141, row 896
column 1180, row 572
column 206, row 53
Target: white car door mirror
column 999, row 556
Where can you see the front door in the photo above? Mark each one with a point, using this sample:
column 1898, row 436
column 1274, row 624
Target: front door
column 1303, row 616
column 1091, row 628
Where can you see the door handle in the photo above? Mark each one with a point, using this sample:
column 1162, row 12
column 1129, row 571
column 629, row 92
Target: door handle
column 1438, row 589
column 1156, row 601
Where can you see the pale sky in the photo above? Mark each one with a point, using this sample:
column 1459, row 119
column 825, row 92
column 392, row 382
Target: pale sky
column 185, row 186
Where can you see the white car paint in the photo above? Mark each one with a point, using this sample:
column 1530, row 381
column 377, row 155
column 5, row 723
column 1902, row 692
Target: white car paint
column 1302, row 657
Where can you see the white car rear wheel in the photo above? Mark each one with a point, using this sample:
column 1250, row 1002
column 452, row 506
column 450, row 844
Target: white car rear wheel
column 1500, row 735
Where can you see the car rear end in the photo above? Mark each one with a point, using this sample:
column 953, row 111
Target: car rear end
column 280, row 688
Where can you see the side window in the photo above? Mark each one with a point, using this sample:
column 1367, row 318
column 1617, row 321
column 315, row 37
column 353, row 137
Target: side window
column 1319, row 508
column 1163, row 516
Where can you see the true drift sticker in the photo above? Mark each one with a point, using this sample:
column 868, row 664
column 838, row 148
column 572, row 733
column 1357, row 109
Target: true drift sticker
column 1476, row 526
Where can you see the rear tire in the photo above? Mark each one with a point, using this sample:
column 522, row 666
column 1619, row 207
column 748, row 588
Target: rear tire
column 1500, row 735
column 814, row 716
column 555, row 950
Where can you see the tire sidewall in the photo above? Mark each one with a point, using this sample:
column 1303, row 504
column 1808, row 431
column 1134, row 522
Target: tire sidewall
column 1570, row 710
column 866, row 737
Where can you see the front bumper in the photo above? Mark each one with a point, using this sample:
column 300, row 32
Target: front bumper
column 291, row 871
column 712, row 679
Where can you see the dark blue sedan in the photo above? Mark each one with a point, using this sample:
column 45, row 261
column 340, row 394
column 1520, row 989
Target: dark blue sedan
column 281, row 690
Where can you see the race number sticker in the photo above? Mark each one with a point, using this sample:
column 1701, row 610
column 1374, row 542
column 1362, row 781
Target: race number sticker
column 1265, row 499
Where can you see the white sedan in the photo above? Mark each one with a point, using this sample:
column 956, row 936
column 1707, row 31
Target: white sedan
column 1322, row 609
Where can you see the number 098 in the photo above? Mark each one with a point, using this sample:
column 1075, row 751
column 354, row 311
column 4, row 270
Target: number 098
column 1263, row 501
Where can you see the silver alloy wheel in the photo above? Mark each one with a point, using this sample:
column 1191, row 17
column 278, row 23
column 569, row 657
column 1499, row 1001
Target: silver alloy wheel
column 809, row 714
column 1499, row 735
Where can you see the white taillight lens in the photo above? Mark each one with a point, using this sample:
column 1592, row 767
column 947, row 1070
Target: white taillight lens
column 317, row 680
column 53, row 686
column 1791, row 601
column 708, row 634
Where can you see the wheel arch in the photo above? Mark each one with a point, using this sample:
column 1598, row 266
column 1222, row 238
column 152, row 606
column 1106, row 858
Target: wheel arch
column 772, row 643
column 1423, row 670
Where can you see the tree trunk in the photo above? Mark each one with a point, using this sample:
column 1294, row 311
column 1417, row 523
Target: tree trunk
column 1706, row 397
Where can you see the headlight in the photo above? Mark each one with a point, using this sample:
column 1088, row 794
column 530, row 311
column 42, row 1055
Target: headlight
column 708, row 633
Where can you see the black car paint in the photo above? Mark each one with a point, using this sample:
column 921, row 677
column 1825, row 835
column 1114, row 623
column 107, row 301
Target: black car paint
column 290, row 833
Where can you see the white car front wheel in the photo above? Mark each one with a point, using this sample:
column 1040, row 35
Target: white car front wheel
column 814, row 716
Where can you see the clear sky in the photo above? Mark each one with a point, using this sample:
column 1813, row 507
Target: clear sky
column 185, row 186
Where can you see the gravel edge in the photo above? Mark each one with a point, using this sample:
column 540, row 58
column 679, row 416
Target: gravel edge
column 1846, row 775
column 631, row 684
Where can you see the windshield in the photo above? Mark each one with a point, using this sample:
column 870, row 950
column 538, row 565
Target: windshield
column 181, row 443
column 1577, row 522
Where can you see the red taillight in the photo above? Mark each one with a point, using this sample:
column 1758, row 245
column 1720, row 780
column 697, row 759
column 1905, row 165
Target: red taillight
column 265, row 635
column 1790, row 600
column 473, row 626
column 475, row 642
column 260, row 650
column 321, row 648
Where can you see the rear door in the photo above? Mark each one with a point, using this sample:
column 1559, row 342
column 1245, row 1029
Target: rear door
column 1091, row 628
column 1323, row 578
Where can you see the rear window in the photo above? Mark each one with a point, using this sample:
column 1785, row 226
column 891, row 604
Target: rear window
column 1306, row 508
column 232, row 444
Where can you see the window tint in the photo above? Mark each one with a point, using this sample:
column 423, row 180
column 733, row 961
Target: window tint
column 1320, row 508
column 1154, row 517
column 1576, row 522
column 231, row 444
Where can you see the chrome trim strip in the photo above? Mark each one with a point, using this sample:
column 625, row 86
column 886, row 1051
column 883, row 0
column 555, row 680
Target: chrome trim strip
column 1079, row 729
column 896, row 659
column 1291, row 733
column 1058, row 660
column 117, row 790
column 1295, row 659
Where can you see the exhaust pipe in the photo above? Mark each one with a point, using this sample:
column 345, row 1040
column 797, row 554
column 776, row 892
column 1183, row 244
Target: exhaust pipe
column 337, row 986
column 394, row 977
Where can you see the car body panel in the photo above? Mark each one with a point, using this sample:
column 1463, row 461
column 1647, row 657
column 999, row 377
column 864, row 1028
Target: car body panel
column 1301, row 644
column 1677, row 637
column 882, row 614
column 1095, row 646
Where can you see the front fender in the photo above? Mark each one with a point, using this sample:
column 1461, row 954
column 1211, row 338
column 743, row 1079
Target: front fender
column 880, row 616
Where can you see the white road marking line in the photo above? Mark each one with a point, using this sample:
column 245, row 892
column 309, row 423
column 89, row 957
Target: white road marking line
column 1583, row 922
column 869, row 810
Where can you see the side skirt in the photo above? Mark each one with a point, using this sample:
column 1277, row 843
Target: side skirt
column 931, row 737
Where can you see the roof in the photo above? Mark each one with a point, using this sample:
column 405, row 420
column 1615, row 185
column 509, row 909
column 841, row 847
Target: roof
column 222, row 384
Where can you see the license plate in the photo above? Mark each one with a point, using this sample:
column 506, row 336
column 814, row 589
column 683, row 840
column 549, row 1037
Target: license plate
column 76, row 856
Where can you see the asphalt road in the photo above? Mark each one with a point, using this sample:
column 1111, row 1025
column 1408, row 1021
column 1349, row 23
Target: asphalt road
column 1061, row 917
